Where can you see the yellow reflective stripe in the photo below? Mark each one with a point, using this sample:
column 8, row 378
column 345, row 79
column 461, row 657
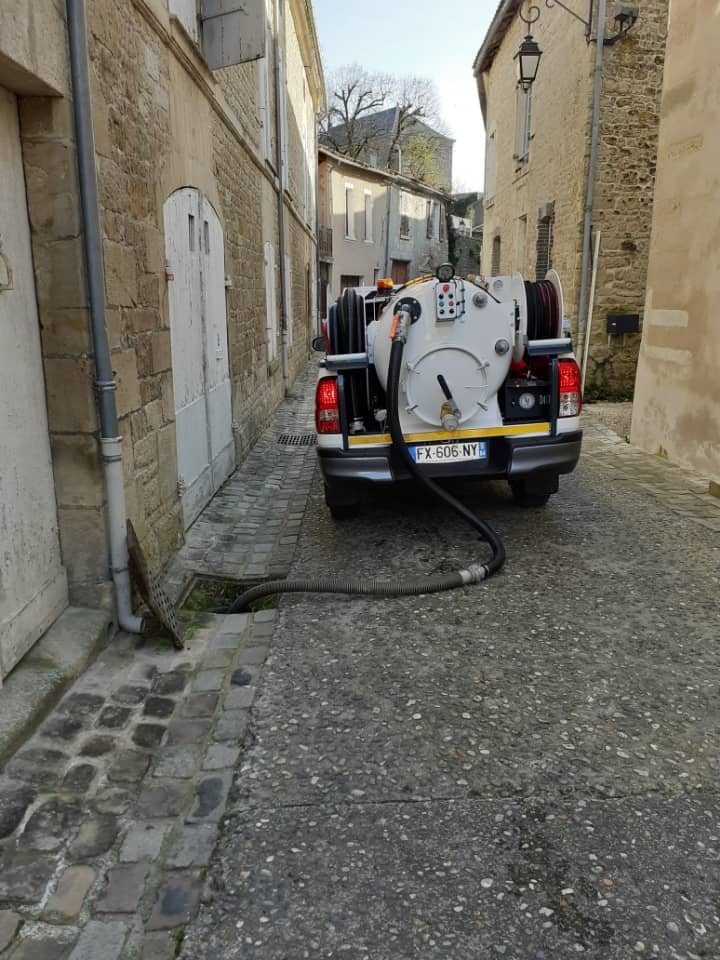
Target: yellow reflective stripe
column 517, row 430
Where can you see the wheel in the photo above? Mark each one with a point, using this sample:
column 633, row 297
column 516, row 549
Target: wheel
column 341, row 501
column 530, row 499
column 534, row 491
column 341, row 513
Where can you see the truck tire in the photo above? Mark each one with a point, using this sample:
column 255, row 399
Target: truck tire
column 534, row 491
column 342, row 502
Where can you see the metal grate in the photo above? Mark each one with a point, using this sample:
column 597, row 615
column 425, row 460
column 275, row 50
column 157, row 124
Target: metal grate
column 296, row 439
column 150, row 590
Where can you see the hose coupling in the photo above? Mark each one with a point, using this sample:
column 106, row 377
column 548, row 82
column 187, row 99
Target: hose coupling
column 475, row 573
column 401, row 325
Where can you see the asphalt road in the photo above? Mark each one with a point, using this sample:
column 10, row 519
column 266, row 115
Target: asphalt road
column 523, row 769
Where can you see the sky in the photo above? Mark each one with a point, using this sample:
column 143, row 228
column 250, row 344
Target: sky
column 438, row 39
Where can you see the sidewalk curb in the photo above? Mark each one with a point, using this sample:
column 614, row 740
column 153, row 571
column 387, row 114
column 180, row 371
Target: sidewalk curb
column 44, row 674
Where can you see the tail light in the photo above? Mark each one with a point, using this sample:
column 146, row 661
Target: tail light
column 569, row 388
column 327, row 412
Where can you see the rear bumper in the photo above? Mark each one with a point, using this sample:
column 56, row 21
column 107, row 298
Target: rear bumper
column 508, row 457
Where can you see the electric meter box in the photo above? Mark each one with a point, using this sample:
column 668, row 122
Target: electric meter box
column 618, row 323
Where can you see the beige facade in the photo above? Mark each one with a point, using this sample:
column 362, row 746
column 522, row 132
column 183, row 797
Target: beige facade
column 375, row 224
column 677, row 399
column 163, row 122
column 536, row 167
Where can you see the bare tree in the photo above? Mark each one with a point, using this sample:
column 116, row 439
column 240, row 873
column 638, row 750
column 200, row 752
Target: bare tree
column 353, row 95
column 416, row 99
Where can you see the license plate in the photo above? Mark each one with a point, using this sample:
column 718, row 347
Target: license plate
column 450, row 452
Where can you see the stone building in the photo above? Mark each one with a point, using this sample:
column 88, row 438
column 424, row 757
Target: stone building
column 537, row 155
column 676, row 412
column 465, row 232
column 373, row 224
column 404, row 145
column 203, row 339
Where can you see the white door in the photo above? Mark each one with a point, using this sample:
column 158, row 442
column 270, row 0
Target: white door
column 33, row 587
column 198, row 333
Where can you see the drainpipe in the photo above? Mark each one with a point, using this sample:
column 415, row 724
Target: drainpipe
column 592, row 165
column 280, row 162
column 387, row 230
column 110, row 440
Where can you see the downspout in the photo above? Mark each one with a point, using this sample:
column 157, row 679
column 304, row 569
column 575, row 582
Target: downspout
column 592, row 165
column 387, row 230
column 110, row 440
column 280, row 162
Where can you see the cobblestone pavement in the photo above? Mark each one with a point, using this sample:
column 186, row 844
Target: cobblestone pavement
column 110, row 812
column 249, row 530
column 524, row 769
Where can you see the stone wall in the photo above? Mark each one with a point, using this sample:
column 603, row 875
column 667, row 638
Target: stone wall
column 677, row 401
column 556, row 172
column 624, row 188
column 423, row 254
column 557, row 156
column 162, row 122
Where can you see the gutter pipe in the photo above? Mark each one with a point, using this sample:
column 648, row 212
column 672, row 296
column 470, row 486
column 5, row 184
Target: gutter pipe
column 592, row 166
column 387, row 229
column 110, row 439
column 280, row 162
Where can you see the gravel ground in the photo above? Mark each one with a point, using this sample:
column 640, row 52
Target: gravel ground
column 524, row 769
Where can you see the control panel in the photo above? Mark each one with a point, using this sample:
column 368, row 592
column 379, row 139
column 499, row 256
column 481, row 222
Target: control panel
column 447, row 305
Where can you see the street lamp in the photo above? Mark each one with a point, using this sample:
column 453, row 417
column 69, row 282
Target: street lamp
column 625, row 16
column 528, row 61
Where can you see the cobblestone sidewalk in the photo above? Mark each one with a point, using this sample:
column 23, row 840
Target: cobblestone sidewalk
column 682, row 492
column 110, row 812
column 249, row 530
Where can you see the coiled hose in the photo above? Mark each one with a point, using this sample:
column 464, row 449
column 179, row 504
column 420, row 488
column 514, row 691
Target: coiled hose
column 474, row 573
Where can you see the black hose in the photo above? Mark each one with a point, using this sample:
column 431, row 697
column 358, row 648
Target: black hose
column 485, row 530
column 475, row 573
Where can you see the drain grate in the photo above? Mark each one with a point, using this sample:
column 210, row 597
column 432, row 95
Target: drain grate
column 150, row 589
column 296, row 439
column 211, row 594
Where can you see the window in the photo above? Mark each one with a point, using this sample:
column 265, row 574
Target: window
column 543, row 251
column 405, row 224
column 349, row 281
column 443, row 225
column 523, row 112
column 520, row 244
column 349, row 212
column 271, row 324
column 367, row 217
column 429, row 217
column 490, row 168
column 496, row 257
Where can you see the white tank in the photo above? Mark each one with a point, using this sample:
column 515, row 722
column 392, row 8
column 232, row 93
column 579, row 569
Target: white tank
column 461, row 332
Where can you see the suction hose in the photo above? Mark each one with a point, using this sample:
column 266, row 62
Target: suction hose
column 474, row 573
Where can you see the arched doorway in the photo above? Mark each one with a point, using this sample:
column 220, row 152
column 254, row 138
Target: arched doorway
column 195, row 252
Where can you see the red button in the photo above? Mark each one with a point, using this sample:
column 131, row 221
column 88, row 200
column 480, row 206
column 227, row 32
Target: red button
column 446, row 287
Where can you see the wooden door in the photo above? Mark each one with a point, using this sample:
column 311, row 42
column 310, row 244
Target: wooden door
column 198, row 335
column 33, row 586
column 399, row 272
